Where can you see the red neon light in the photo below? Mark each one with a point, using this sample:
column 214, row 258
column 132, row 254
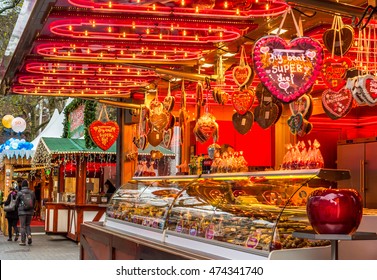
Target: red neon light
column 66, row 91
column 149, row 30
column 239, row 10
column 83, row 69
column 99, row 52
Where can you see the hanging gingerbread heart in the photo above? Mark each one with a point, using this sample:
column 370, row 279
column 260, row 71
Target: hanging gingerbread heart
column 242, row 74
column 167, row 137
column 243, row 100
column 169, row 101
column 243, row 123
column 337, row 104
column 266, row 115
column 140, row 142
column 155, row 137
column 287, row 70
column 334, row 72
column 343, row 38
column 303, row 105
column 369, row 86
column 104, row 134
column 295, row 123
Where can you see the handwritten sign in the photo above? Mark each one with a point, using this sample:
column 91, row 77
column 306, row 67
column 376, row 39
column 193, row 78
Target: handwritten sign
column 242, row 100
column 287, row 70
column 337, row 104
column 104, row 134
column 334, row 72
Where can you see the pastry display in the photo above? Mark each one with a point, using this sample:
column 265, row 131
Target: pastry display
column 301, row 157
column 256, row 212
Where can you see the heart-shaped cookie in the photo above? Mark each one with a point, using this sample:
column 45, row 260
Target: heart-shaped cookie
column 167, row 137
column 295, row 123
column 242, row 100
column 334, row 72
column 243, row 123
column 155, row 137
column 263, row 95
column 159, row 120
column 369, row 86
column 303, row 105
column 242, row 75
column 104, row 134
column 346, row 34
column 266, row 115
column 305, row 129
column 337, row 104
column 168, row 103
column 141, row 142
column 287, row 70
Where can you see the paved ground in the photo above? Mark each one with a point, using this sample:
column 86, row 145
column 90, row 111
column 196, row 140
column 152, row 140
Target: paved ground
column 44, row 247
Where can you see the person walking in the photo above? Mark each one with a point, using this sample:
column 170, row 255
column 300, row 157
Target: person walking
column 12, row 216
column 25, row 203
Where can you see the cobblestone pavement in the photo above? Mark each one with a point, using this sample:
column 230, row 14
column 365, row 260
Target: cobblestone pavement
column 44, row 247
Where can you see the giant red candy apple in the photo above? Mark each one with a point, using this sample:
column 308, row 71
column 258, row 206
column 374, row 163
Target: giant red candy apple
column 334, row 211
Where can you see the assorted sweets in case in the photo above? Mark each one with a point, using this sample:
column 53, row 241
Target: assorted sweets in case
column 254, row 211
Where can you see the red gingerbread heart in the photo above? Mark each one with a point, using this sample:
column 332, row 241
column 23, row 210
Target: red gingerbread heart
column 287, row 70
column 103, row 134
column 334, row 72
column 369, row 86
column 243, row 100
column 337, row 104
column 242, row 75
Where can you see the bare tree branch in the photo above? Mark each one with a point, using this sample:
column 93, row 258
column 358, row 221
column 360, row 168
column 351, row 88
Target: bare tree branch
column 11, row 5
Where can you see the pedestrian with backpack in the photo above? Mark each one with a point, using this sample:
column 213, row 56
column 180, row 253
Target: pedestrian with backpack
column 25, row 203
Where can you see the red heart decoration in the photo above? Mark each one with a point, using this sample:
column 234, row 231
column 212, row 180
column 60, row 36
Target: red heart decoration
column 287, row 70
column 337, row 104
column 242, row 75
column 243, row 100
column 334, row 72
column 369, row 86
column 105, row 134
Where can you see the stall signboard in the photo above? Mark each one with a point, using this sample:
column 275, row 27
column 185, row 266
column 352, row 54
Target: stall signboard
column 76, row 122
column 287, row 70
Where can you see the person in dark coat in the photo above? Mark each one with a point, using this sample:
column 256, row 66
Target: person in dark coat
column 109, row 187
column 12, row 216
column 25, row 216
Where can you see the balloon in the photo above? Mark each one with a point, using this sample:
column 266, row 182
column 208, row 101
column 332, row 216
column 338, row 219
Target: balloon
column 7, row 121
column 18, row 124
column 14, row 145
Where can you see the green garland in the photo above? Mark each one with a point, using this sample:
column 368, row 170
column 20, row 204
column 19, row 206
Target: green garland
column 89, row 117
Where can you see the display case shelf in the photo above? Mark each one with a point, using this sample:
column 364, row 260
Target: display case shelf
column 250, row 213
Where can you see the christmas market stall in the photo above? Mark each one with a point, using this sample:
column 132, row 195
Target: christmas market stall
column 76, row 178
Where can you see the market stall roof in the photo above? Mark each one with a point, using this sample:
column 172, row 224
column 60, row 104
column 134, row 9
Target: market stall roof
column 104, row 49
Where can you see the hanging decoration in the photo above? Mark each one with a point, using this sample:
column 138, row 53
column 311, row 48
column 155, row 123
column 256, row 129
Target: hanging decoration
column 183, row 115
column 243, row 74
column 219, row 95
column 339, row 39
column 169, row 100
column 104, row 134
column 269, row 109
column 287, row 70
column 140, row 140
column 303, row 105
column 298, row 125
column 334, row 71
column 243, row 123
column 337, row 104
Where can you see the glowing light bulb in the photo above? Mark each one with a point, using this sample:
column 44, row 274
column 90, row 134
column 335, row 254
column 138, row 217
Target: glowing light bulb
column 165, row 56
column 238, row 12
column 147, row 31
column 111, row 72
column 183, row 2
column 197, row 9
column 221, row 34
column 138, row 73
column 172, row 27
column 54, row 50
column 110, row 4
column 93, row 23
column 88, row 51
column 101, row 54
column 184, row 32
column 70, row 68
column 209, row 29
column 267, row 6
column 128, row 70
column 121, row 52
column 133, row 25
column 154, row 53
column 70, row 27
column 86, row 32
column 109, row 29
column 69, row 53
column 196, row 37
column 133, row 55
column 100, row 69
column 185, row 54
column 154, row 7
column 160, row 36
column 226, row 4
column 124, row 34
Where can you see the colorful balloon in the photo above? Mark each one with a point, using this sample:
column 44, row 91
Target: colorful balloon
column 18, row 124
column 7, row 121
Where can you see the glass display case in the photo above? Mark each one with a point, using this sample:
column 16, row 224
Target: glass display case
column 254, row 213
